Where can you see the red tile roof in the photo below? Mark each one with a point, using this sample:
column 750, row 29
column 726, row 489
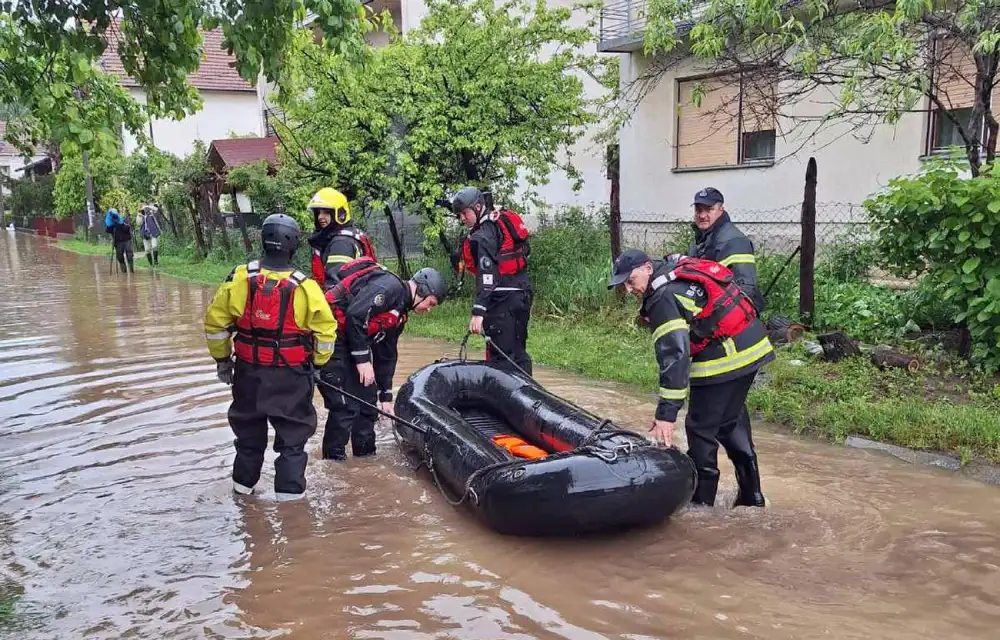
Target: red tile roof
column 235, row 152
column 216, row 73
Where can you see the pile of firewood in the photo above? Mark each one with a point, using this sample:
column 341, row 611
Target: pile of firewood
column 836, row 346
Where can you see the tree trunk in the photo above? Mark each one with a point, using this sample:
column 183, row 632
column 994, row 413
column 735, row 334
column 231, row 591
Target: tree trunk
column 169, row 215
column 837, row 346
column 807, row 262
column 781, row 330
column 885, row 358
column 199, row 236
column 404, row 269
column 212, row 190
column 615, row 221
column 204, row 224
column 242, row 223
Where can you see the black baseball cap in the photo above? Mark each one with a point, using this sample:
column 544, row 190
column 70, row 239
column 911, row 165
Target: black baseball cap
column 708, row 196
column 624, row 265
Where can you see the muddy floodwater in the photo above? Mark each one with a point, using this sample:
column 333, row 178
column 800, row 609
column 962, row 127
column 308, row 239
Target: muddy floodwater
column 117, row 521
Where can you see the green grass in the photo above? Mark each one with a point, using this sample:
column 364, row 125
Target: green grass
column 832, row 400
column 204, row 272
column 10, row 594
column 954, row 412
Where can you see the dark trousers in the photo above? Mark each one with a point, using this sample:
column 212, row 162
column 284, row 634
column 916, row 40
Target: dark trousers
column 506, row 324
column 717, row 415
column 123, row 250
column 348, row 419
column 283, row 396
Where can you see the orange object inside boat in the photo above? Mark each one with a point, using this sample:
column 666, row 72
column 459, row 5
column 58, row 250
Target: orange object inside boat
column 519, row 448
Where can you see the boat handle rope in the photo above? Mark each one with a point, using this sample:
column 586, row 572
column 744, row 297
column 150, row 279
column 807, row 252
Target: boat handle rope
column 469, row 491
column 391, row 416
column 463, row 352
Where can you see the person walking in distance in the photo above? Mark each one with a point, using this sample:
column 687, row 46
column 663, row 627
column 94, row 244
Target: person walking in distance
column 120, row 229
column 496, row 254
column 149, row 229
column 282, row 329
column 371, row 305
column 706, row 336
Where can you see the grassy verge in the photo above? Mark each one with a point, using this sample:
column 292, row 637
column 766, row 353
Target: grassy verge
column 955, row 412
column 204, row 272
column 951, row 413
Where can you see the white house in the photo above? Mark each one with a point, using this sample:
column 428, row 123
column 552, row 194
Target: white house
column 231, row 104
column 670, row 149
column 11, row 160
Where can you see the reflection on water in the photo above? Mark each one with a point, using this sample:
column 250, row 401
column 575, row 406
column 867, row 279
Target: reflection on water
column 117, row 518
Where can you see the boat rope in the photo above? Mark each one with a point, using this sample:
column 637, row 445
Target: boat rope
column 391, row 416
column 469, row 491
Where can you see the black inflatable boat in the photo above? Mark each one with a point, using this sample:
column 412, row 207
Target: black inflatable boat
column 530, row 463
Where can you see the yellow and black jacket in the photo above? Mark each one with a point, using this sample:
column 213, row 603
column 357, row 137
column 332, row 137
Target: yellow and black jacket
column 727, row 245
column 669, row 307
column 310, row 309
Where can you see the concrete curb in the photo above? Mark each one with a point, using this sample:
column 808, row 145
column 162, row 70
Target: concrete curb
column 981, row 471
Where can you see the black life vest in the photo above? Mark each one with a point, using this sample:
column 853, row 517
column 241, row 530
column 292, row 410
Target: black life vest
column 367, row 251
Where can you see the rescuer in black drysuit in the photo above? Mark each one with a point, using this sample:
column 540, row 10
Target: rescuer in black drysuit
column 370, row 304
column 496, row 253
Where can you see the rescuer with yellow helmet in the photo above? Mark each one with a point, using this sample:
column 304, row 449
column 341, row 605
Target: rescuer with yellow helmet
column 336, row 240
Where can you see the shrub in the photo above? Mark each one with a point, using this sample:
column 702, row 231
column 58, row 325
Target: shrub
column 949, row 226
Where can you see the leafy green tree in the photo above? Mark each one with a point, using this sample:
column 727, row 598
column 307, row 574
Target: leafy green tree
column 70, row 195
column 879, row 60
column 50, row 52
column 483, row 92
column 948, row 228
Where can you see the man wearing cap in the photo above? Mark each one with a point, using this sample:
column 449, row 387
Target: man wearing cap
column 718, row 355
column 717, row 238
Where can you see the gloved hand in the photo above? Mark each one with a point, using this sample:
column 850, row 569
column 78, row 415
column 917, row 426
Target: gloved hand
column 224, row 371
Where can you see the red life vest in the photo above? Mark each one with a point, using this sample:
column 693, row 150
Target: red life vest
column 267, row 333
column 367, row 251
column 513, row 249
column 340, row 296
column 728, row 310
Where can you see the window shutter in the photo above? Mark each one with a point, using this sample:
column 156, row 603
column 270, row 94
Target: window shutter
column 706, row 135
column 759, row 105
column 955, row 76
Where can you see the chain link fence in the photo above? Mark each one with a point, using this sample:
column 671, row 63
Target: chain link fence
column 772, row 231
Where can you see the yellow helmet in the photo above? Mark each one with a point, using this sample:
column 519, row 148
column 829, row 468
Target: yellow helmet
column 335, row 201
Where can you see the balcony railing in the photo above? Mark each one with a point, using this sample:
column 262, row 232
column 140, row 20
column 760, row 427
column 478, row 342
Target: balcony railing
column 623, row 24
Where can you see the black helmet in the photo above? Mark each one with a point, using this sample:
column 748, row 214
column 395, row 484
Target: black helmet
column 467, row 198
column 430, row 283
column 280, row 233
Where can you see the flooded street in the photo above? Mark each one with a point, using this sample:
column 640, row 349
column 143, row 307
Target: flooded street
column 117, row 520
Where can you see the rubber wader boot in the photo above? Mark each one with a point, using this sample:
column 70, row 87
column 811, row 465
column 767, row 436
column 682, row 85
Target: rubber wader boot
column 149, row 257
column 156, row 256
column 748, row 481
column 708, row 485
